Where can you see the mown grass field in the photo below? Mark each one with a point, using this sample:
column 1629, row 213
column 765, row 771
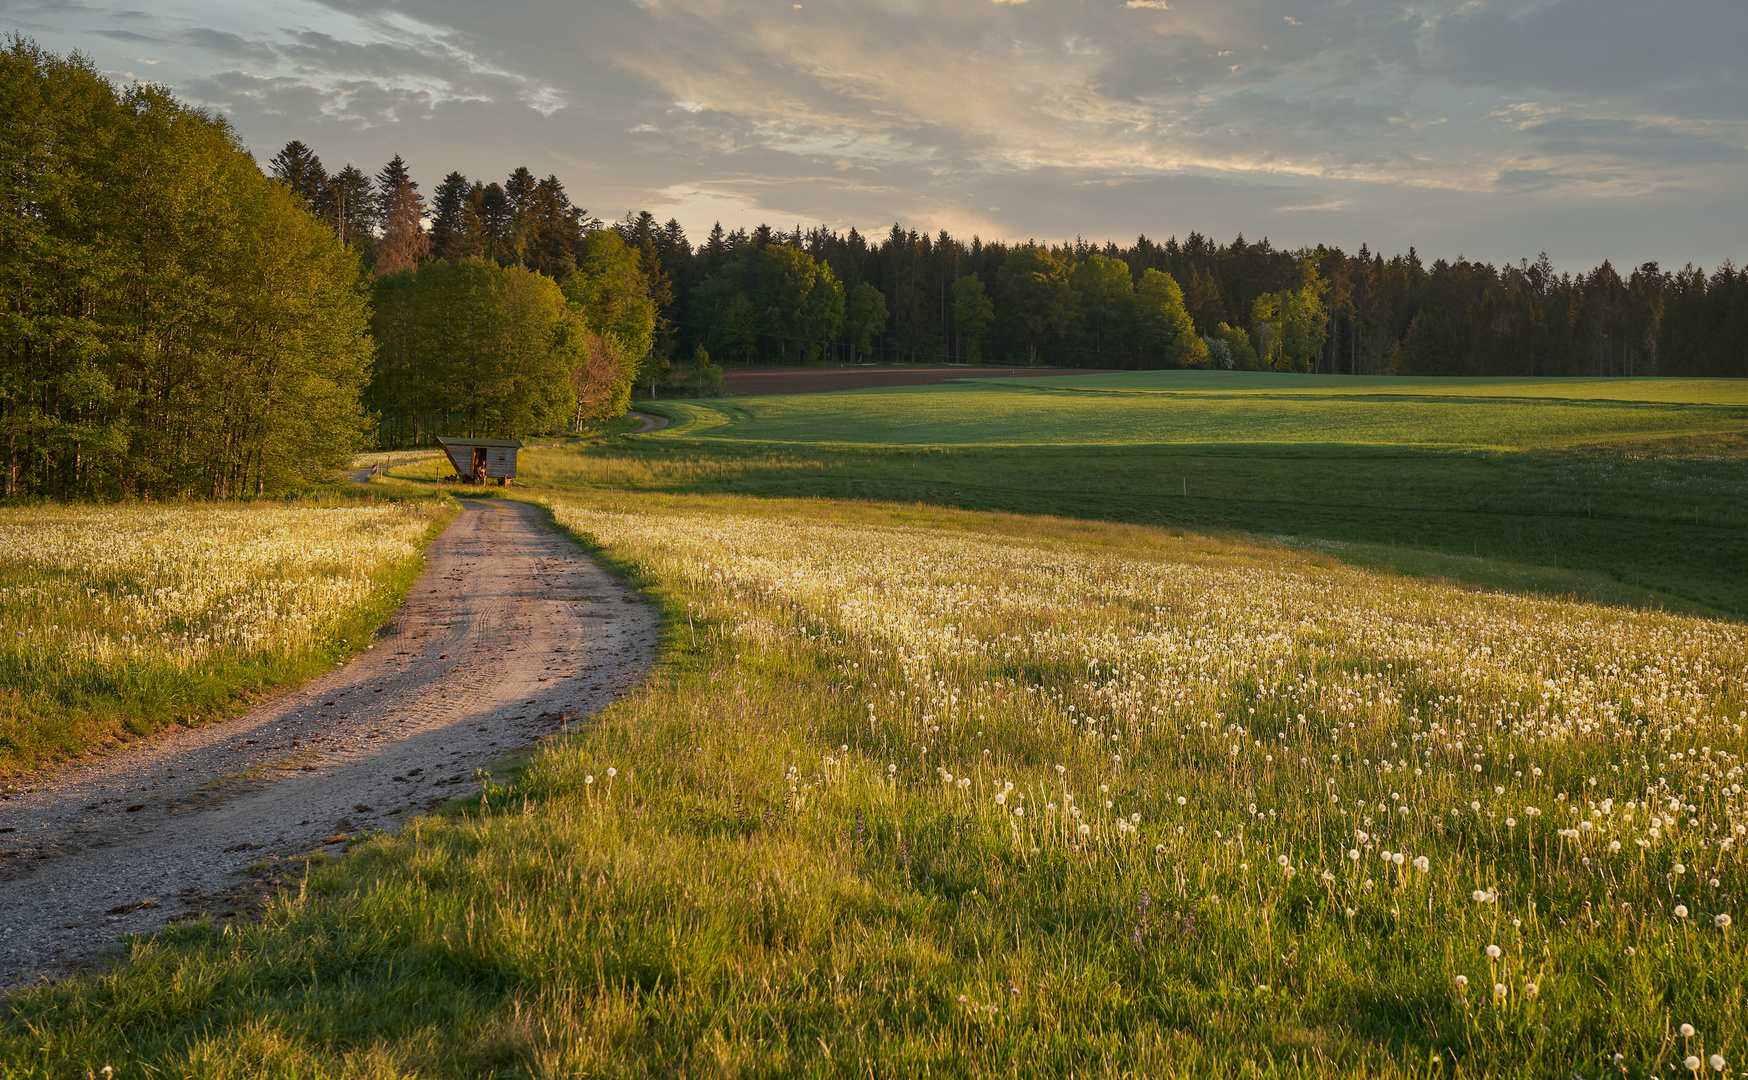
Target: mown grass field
column 930, row 791
column 1728, row 392
column 1146, row 409
column 115, row 621
column 1439, row 479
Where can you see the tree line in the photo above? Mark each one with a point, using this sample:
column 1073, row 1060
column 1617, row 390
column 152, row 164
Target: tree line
column 765, row 295
column 1249, row 306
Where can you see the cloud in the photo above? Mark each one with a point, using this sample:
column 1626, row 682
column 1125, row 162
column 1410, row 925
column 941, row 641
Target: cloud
column 929, row 111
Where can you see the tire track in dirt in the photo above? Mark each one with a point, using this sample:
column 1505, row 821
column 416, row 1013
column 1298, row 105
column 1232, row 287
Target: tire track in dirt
column 510, row 633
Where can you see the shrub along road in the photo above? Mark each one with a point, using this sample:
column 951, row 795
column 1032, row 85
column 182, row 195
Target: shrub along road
column 510, row 633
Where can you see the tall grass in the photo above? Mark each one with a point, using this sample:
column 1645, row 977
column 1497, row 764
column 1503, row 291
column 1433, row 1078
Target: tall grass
column 117, row 620
column 919, row 790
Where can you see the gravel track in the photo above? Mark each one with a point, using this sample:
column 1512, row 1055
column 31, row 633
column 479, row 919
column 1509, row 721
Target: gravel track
column 510, row 633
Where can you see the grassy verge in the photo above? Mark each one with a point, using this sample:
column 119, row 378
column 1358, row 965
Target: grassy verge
column 119, row 621
column 800, row 848
column 1665, row 517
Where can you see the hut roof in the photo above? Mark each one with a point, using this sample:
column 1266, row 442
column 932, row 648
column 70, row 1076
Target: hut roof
column 457, row 440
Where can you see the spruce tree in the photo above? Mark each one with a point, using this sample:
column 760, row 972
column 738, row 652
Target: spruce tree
column 298, row 167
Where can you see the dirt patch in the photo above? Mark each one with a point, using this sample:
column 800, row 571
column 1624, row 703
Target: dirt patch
column 647, row 421
column 800, row 380
column 511, row 633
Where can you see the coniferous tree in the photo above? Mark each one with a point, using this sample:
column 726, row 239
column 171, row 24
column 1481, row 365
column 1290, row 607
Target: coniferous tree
column 404, row 243
column 450, row 232
column 389, row 182
column 298, row 167
column 349, row 205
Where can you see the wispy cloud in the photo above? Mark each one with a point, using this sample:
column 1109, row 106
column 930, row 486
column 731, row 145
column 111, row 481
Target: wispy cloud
column 1375, row 117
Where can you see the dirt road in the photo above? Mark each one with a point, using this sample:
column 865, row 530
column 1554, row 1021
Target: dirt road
column 510, row 633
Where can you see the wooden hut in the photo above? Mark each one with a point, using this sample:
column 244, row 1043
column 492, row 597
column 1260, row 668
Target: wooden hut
column 479, row 460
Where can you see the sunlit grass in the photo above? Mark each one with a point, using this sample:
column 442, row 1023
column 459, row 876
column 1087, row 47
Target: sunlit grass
column 925, row 790
column 116, row 620
column 1097, row 412
column 1664, row 391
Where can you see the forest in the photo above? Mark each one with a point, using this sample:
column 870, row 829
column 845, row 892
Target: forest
column 770, row 296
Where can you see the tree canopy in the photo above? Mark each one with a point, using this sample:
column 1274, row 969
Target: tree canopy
column 175, row 322
column 471, row 347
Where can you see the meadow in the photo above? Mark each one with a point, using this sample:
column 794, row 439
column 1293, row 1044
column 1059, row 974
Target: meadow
column 1597, row 494
column 1143, row 409
column 1312, row 763
column 1729, row 392
column 118, row 620
column 928, row 790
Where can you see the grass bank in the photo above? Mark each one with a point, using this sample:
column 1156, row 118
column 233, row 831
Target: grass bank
column 116, row 621
column 924, row 790
column 1629, row 521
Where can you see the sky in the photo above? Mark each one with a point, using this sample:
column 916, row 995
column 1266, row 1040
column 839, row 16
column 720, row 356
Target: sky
column 1490, row 129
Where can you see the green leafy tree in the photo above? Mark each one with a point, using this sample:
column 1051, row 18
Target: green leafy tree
column 1290, row 324
column 1037, row 300
column 1229, row 349
column 705, row 378
column 609, row 291
column 175, row 322
column 740, row 328
column 801, row 302
column 1105, row 310
column 1164, row 334
column 475, row 348
column 864, row 319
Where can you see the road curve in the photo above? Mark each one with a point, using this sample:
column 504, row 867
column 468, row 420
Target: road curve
column 511, row 632
column 646, row 422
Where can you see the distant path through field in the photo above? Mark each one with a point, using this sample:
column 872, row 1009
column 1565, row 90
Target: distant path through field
column 647, row 421
column 510, row 633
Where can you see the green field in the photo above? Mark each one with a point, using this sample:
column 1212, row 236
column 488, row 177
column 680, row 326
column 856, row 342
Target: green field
column 1327, row 757
column 1219, row 408
column 1667, row 391
column 1626, row 505
column 922, row 791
